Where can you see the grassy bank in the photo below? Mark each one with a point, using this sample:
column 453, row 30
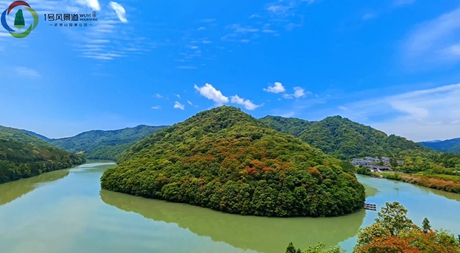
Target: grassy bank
column 448, row 183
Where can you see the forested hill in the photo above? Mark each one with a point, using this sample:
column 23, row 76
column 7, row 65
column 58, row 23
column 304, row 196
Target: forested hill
column 346, row 139
column 98, row 144
column 226, row 160
column 448, row 146
column 22, row 136
column 23, row 155
column 36, row 135
column 292, row 126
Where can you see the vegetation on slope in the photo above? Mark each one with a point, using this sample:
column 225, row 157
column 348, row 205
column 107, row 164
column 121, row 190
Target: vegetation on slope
column 21, row 136
column 393, row 231
column 226, row 160
column 448, row 146
column 22, row 160
column 292, row 126
column 442, row 172
column 346, row 139
column 100, row 144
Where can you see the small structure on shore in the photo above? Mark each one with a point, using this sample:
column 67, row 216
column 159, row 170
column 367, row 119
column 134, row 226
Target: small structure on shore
column 372, row 207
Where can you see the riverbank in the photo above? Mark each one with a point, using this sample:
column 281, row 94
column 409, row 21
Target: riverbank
column 441, row 182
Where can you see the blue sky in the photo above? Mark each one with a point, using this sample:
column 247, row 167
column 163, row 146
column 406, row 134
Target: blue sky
column 391, row 64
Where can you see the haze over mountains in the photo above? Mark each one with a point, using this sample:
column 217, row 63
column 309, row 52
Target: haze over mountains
column 448, row 146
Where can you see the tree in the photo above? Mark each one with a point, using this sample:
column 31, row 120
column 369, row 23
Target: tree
column 290, row 248
column 318, row 248
column 393, row 218
column 426, row 225
column 393, row 162
column 394, row 232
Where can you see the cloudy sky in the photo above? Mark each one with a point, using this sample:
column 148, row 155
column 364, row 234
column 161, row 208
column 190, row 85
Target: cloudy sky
column 391, row 64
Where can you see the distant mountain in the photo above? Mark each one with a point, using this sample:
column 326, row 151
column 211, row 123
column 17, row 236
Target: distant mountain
column 22, row 136
column 99, row 144
column 346, row 139
column 23, row 155
column 36, row 135
column 226, row 160
column 448, row 146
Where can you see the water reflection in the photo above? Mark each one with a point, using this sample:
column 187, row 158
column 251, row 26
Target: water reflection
column 268, row 235
column 13, row 190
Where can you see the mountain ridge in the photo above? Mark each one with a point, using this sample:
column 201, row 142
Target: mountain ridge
column 103, row 144
column 346, row 139
column 448, row 146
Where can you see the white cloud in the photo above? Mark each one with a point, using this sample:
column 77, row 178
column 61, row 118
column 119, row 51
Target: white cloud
column 156, row 107
column 93, row 4
column 120, row 11
column 435, row 41
column 177, row 95
column 201, row 29
column 239, row 29
column 418, row 115
column 298, row 93
column 178, row 105
column 278, row 9
column 276, row 88
column 209, row 92
column 190, row 103
column 23, row 71
column 207, row 42
column 244, row 102
column 158, row 96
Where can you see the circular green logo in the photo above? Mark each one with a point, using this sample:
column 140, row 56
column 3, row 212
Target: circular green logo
column 19, row 21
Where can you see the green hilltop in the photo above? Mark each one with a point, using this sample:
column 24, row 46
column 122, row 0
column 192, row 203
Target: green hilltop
column 346, row 139
column 226, row 160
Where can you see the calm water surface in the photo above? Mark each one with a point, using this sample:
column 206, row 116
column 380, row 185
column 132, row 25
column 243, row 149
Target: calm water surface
column 66, row 211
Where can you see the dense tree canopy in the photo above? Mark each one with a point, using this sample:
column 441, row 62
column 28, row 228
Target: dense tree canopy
column 226, row 160
column 292, row 126
column 394, row 232
column 21, row 136
column 346, row 139
column 98, row 144
column 22, row 160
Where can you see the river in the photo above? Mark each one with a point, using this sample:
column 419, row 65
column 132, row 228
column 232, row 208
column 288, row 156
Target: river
column 66, row 211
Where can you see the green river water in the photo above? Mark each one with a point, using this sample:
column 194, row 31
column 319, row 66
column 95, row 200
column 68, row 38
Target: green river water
column 66, row 211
